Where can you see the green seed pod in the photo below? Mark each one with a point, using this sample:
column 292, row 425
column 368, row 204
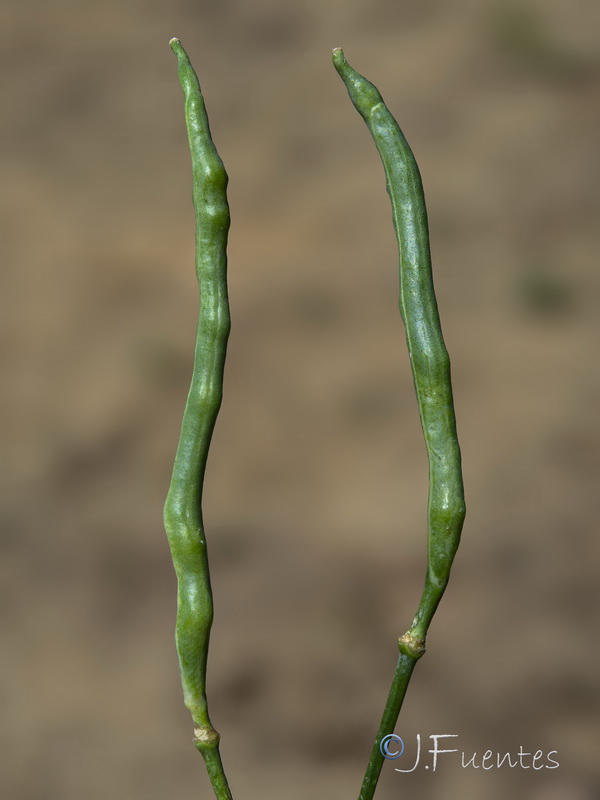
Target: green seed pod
column 431, row 373
column 428, row 355
column 183, row 508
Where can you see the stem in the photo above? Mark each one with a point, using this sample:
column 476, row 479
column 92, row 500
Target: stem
column 404, row 668
column 214, row 768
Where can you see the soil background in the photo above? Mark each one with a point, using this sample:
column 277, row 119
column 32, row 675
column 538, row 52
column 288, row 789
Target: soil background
column 316, row 489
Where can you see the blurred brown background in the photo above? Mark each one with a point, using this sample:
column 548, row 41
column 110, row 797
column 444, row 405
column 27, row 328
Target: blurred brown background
column 317, row 482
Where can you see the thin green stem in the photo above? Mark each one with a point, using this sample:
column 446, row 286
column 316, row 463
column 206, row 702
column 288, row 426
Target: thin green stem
column 404, row 668
column 214, row 768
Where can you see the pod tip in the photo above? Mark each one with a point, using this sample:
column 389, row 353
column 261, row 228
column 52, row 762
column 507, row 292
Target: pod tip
column 338, row 56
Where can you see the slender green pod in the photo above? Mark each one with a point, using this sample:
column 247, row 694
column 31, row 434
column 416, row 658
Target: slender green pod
column 183, row 508
column 431, row 374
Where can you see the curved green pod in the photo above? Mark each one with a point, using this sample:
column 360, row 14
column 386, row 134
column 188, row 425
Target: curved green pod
column 431, row 373
column 183, row 507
